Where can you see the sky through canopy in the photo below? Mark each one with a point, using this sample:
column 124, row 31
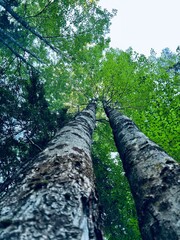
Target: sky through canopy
column 145, row 24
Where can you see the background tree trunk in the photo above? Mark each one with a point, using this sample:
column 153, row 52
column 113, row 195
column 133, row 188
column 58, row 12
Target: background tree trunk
column 56, row 198
column 154, row 179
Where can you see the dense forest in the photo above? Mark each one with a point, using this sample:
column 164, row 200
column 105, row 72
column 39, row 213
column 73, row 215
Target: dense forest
column 86, row 131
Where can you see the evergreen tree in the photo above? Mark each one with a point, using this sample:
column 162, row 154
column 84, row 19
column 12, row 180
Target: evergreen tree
column 27, row 124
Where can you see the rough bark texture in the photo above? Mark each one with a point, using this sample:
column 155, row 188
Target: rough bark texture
column 154, row 178
column 56, row 198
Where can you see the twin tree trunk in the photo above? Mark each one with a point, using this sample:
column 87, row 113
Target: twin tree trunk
column 154, row 179
column 56, row 197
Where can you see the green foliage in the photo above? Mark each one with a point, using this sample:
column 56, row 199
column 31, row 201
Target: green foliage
column 120, row 221
column 69, row 51
column 58, row 33
column 53, row 30
column 26, row 122
column 147, row 91
column 159, row 120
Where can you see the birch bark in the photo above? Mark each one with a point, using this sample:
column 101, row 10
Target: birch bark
column 56, row 197
column 154, row 179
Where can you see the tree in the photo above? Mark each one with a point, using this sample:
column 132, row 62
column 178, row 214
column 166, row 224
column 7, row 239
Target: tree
column 42, row 37
column 159, row 119
column 27, row 124
column 55, row 196
column 119, row 214
column 67, row 44
column 153, row 177
column 134, row 77
column 51, row 31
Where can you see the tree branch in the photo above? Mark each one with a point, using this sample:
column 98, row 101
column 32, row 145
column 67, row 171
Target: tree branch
column 33, row 143
column 19, row 45
column 14, row 52
column 26, row 25
column 42, row 10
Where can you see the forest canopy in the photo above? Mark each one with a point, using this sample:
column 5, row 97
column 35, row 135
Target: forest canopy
column 54, row 58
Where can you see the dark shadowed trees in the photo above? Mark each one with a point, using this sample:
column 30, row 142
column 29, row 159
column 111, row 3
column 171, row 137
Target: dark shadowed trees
column 154, row 178
column 26, row 122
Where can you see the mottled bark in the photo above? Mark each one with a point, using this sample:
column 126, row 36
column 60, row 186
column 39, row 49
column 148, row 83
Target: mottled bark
column 154, row 179
column 56, row 198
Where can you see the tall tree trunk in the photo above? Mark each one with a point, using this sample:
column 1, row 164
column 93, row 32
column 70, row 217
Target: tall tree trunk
column 154, row 179
column 56, row 198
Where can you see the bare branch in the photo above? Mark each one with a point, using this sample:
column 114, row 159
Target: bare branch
column 42, row 10
column 18, row 44
column 26, row 25
column 15, row 53
column 33, row 143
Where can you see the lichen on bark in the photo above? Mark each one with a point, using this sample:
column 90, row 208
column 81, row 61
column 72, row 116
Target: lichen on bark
column 154, row 179
column 56, row 199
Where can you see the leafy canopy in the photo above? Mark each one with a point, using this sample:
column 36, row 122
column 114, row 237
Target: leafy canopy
column 54, row 57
